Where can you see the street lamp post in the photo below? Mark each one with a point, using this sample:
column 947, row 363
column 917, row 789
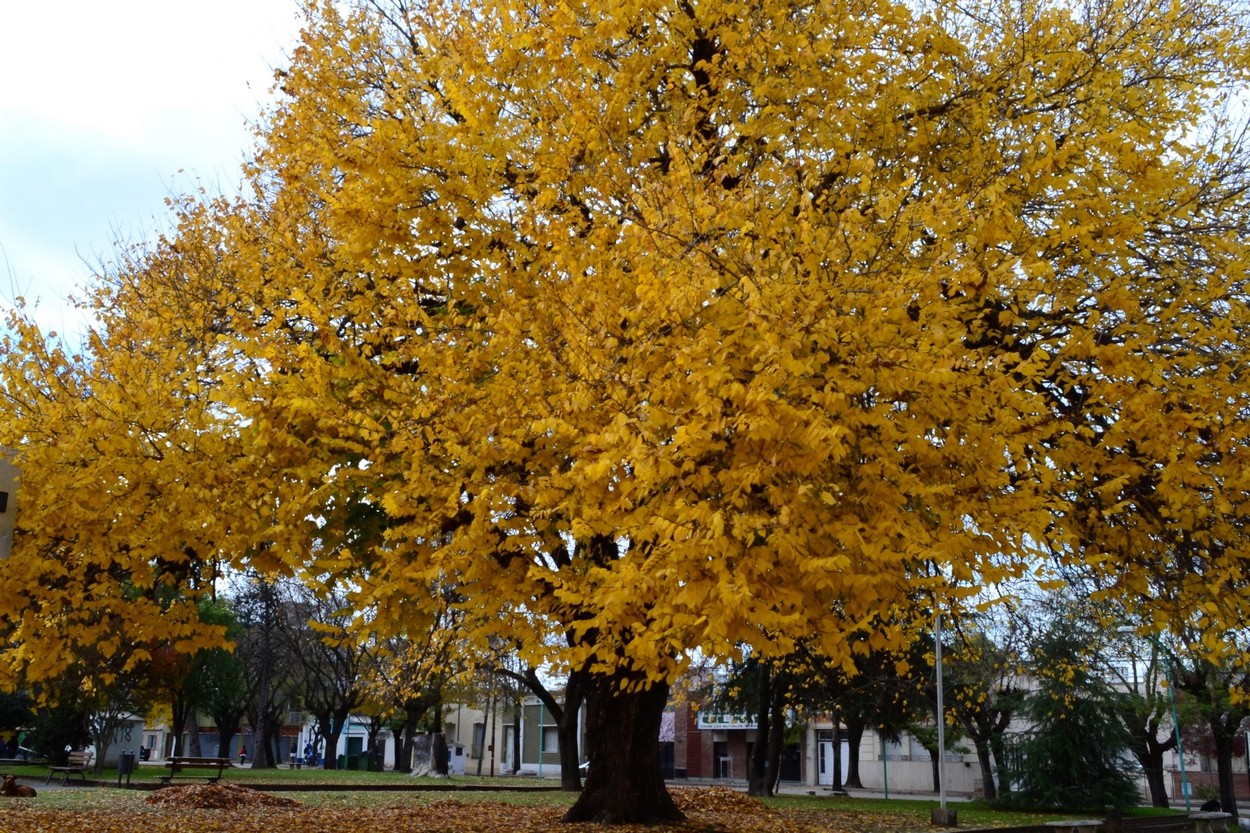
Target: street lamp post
column 1176, row 729
column 1176, row 723
column 941, row 814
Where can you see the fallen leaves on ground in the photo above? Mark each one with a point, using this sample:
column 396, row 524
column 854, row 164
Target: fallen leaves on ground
column 231, row 809
column 216, row 797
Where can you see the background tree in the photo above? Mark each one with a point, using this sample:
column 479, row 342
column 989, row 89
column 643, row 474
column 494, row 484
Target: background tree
column 759, row 688
column 1212, row 690
column 412, row 655
column 111, row 700
column 1143, row 701
column 186, row 680
column 1073, row 754
column 317, row 625
column 16, row 712
column 60, row 722
column 269, row 668
column 564, row 706
column 223, row 680
column 986, row 693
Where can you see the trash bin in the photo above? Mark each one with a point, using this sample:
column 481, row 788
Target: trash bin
column 125, row 766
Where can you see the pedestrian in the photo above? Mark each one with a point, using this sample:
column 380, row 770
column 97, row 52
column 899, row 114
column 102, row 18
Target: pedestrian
column 242, row 755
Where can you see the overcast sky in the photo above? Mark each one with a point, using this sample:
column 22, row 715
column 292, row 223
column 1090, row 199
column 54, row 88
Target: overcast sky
column 109, row 106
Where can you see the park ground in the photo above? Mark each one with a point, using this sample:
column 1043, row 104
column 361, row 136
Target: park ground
column 329, row 802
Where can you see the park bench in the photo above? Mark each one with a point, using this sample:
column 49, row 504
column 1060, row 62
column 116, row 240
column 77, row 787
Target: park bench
column 1210, row 822
column 180, row 764
column 1076, row 825
column 77, row 762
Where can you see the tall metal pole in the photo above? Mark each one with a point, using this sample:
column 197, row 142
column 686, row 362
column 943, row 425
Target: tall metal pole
column 1176, row 728
column 941, row 714
column 885, row 766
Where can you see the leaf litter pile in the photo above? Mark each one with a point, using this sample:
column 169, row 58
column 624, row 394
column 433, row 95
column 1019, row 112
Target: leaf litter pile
column 221, row 808
column 216, row 797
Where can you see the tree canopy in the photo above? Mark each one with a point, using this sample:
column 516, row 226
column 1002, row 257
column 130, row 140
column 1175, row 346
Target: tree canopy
column 658, row 326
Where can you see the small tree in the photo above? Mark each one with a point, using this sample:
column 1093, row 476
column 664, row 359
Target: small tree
column 1074, row 757
column 984, row 695
column 1209, row 688
column 759, row 687
column 1143, row 708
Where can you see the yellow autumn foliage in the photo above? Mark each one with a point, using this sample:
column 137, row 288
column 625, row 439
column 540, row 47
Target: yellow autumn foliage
column 668, row 325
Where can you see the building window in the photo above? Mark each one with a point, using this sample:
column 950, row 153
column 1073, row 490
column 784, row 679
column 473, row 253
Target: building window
column 479, row 740
column 551, row 739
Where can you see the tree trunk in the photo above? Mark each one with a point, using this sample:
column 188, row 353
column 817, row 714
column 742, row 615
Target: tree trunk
column 414, row 710
column 776, row 740
column 194, row 747
column 998, row 749
column 438, row 754
column 331, row 740
column 854, row 739
column 331, row 723
column 265, row 738
column 228, row 723
column 567, row 734
column 377, row 751
column 225, row 735
column 488, row 744
column 625, row 784
column 1157, row 786
column 1224, row 766
column 516, row 738
column 180, row 716
column 987, row 770
column 401, row 750
column 757, row 770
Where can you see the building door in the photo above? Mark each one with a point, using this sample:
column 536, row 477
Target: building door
column 720, row 760
column 824, row 757
column 505, row 755
column 825, row 770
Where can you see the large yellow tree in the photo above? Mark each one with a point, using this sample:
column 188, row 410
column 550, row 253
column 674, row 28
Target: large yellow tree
column 125, row 476
column 675, row 325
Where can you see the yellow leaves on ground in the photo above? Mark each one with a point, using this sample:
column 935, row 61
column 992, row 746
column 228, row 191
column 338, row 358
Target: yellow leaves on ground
column 228, row 809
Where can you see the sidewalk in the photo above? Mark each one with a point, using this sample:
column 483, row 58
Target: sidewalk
column 795, row 788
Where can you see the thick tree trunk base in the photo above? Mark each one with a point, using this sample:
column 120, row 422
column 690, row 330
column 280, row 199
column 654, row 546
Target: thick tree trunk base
column 625, row 784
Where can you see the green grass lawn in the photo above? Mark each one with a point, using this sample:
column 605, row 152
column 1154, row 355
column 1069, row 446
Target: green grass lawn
column 972, row 814
column 516, row 791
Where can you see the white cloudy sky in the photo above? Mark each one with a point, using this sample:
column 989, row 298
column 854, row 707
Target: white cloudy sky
column 109, row 106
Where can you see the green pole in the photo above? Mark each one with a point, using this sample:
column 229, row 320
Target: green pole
column 885, row 766
column 1176, row 729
